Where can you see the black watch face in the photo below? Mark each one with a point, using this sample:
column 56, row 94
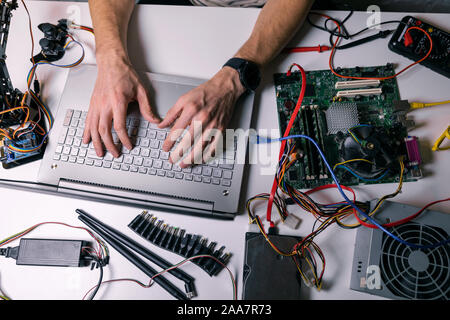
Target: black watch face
column 251, row 76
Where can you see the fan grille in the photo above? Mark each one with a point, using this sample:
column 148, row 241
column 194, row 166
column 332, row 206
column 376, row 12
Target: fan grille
column 416, row 273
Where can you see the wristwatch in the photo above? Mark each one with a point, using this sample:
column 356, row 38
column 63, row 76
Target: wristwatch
column 249, row 72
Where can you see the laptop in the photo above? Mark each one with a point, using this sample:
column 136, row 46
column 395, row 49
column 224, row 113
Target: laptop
column 143, row 176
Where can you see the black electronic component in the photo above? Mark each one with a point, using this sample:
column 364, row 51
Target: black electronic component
column 177, row 241
column 13, row 115
column 9, row 96
column 310, row 91
column 125, row 245
column 372, row 144
column 263, row 267
column 48, row 252
column 414, row 44
column 11, row 158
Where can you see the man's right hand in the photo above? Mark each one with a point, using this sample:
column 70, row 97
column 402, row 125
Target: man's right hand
column 116, row 86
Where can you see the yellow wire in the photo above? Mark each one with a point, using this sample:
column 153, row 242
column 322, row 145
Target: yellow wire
column 420, row 105
column 399, row 188
column 351, row 160
column 271, row 244
column 380, row 202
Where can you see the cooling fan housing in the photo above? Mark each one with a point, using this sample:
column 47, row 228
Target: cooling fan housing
column 385, row 267
column 373, row 144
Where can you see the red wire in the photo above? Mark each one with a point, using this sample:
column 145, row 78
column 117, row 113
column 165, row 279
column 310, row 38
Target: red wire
column 31, row 31
column 401, row 221
column 286, row 133
column 333, row 51
column 329, row 186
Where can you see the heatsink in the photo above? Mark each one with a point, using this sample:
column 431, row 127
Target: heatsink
column 341, row 116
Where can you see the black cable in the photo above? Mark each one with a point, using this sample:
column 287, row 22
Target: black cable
column 97, row 287
column 146, row 253
column 376, row 25
column 381, row 34
column 134, row 259
column 341, row 23
column 346, row 35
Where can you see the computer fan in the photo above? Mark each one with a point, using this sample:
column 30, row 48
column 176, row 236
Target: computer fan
column 373, row 144
column 385, row 267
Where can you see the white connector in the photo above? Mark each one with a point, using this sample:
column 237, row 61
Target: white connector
column 359, row 92
column 352, row 84
column 292, row 221
column 310, row 280
column 253, row 228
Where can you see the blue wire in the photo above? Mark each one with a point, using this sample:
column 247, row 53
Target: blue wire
column 364, row 179
column 417, row 246
column 61, row 65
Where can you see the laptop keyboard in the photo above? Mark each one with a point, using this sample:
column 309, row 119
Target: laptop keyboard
column 147, row 156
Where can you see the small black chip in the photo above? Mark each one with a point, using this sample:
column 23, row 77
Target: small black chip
column 369, row 73
column 293, row 175
column 310, row 90
column 388, row 89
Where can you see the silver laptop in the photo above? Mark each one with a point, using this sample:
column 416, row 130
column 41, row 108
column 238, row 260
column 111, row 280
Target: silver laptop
column 143, row 176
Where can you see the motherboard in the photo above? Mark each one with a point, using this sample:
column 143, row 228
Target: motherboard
column 360, row 125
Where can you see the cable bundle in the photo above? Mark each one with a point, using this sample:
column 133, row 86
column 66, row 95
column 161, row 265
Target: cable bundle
column 18, row 140
column 306, row 254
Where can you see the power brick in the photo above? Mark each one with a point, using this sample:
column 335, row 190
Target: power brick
column 47, row 252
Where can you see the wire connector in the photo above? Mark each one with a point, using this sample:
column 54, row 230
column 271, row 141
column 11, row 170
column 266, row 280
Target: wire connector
column 190, row 290
column 292, row 221
column 417, row 105
column 272, row 231
column 257, row 139
column 10, row 252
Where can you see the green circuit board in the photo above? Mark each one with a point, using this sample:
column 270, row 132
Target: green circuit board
column 327, row 115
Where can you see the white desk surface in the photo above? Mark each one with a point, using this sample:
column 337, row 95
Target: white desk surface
column 196, row 42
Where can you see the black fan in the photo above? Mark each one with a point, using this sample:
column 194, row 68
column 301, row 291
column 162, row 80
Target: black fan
column 372, row 144
column 416, row 273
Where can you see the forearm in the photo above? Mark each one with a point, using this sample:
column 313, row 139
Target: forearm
column 110, row 20
column 272, row 30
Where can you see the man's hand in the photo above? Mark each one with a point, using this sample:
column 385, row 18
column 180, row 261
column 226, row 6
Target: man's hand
column 206, row 110
column 117, row 85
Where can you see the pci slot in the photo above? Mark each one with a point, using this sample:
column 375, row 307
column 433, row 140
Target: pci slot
column 352, row 84
column 359, row 92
